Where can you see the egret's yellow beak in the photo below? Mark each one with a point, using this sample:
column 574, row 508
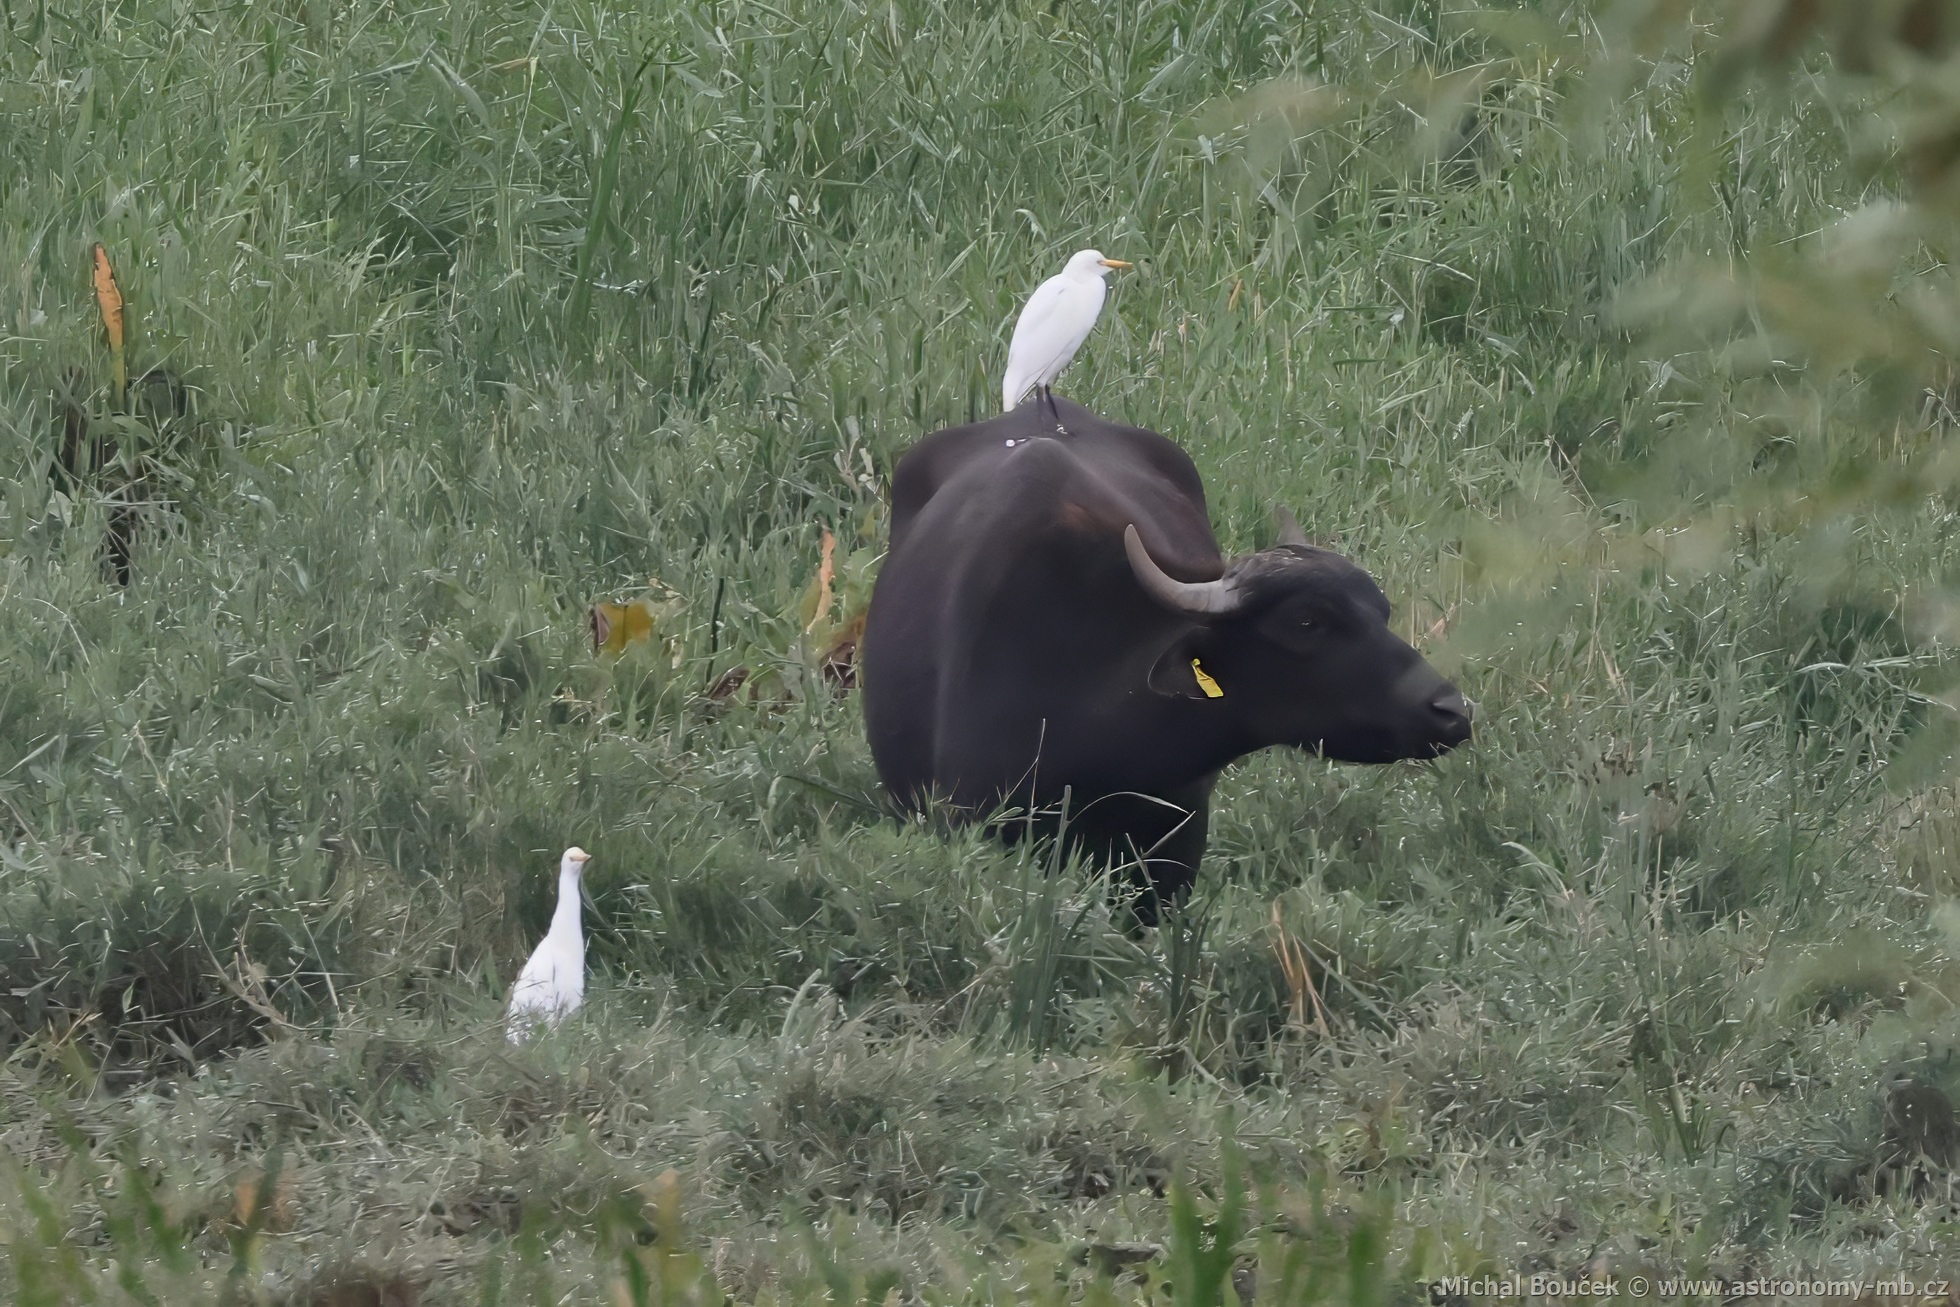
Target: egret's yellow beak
column 1117, row 263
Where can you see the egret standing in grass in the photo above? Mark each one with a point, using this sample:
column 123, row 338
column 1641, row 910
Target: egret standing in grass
column 552, row 985
column 1057, row 319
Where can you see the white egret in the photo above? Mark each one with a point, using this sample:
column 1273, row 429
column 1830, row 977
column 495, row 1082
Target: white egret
column 552, row 984
column 1057, row 319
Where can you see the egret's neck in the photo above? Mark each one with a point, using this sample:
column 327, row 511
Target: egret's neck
column 564, row 920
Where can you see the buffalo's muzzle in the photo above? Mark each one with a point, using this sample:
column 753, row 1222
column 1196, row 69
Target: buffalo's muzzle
column 1450, row 718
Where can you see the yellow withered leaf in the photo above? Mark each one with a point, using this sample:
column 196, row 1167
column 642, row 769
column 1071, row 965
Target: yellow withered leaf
column 270, row 1206
column 614, row 626
column 108, row 298
column 832, row 609
column 665, row 1195
column 826, row 573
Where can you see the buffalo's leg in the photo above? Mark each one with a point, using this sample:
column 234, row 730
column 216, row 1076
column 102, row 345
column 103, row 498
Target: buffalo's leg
column 1156, row 841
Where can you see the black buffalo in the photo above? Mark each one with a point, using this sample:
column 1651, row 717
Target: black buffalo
column 1054, row 628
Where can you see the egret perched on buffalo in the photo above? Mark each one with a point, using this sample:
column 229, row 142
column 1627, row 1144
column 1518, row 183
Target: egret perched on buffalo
column 552, row 984
column 1056, row 320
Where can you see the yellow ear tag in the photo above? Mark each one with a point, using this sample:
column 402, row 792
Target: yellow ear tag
column 1205, row 683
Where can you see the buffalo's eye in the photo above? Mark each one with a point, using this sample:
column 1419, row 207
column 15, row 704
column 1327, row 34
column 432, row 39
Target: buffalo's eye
column 1296, row 630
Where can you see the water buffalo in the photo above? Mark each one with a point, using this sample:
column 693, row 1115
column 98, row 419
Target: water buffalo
column 1054, row 626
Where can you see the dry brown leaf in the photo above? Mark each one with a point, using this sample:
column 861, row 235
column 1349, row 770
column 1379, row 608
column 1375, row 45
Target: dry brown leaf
column 108, row 298
column 826, row 573
column 728, row 683
column 838, row 664
column 252, row 1204
column 1299, row 978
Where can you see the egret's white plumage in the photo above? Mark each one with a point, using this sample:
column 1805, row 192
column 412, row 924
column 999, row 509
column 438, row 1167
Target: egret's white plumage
column 1056, row 320
column 552, row 984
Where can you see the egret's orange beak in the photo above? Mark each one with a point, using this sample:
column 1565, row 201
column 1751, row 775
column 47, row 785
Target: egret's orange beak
column 1117, row 263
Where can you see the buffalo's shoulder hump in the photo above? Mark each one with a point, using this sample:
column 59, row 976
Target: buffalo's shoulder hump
column 942, row 456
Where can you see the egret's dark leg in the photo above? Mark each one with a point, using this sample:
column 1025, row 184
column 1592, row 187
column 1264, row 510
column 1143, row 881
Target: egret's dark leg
column 1048, row 392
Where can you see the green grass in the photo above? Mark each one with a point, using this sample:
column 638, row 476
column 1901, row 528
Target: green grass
column 488, row 312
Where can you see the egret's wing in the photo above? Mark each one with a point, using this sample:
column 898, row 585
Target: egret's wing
column 529, row 1002
column 1052, row 326
column 550, row 986
column 549, row 981
column 532, row 988
column 1021, row 373
column 1048, row 297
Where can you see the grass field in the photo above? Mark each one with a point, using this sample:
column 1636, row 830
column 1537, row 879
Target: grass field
column 487, row 312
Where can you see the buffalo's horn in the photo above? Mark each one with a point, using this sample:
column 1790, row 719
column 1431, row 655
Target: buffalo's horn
column 1289, row 526
column 1196, row 597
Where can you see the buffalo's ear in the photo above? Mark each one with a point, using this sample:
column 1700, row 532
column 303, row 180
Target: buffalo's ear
column 1181, row 672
